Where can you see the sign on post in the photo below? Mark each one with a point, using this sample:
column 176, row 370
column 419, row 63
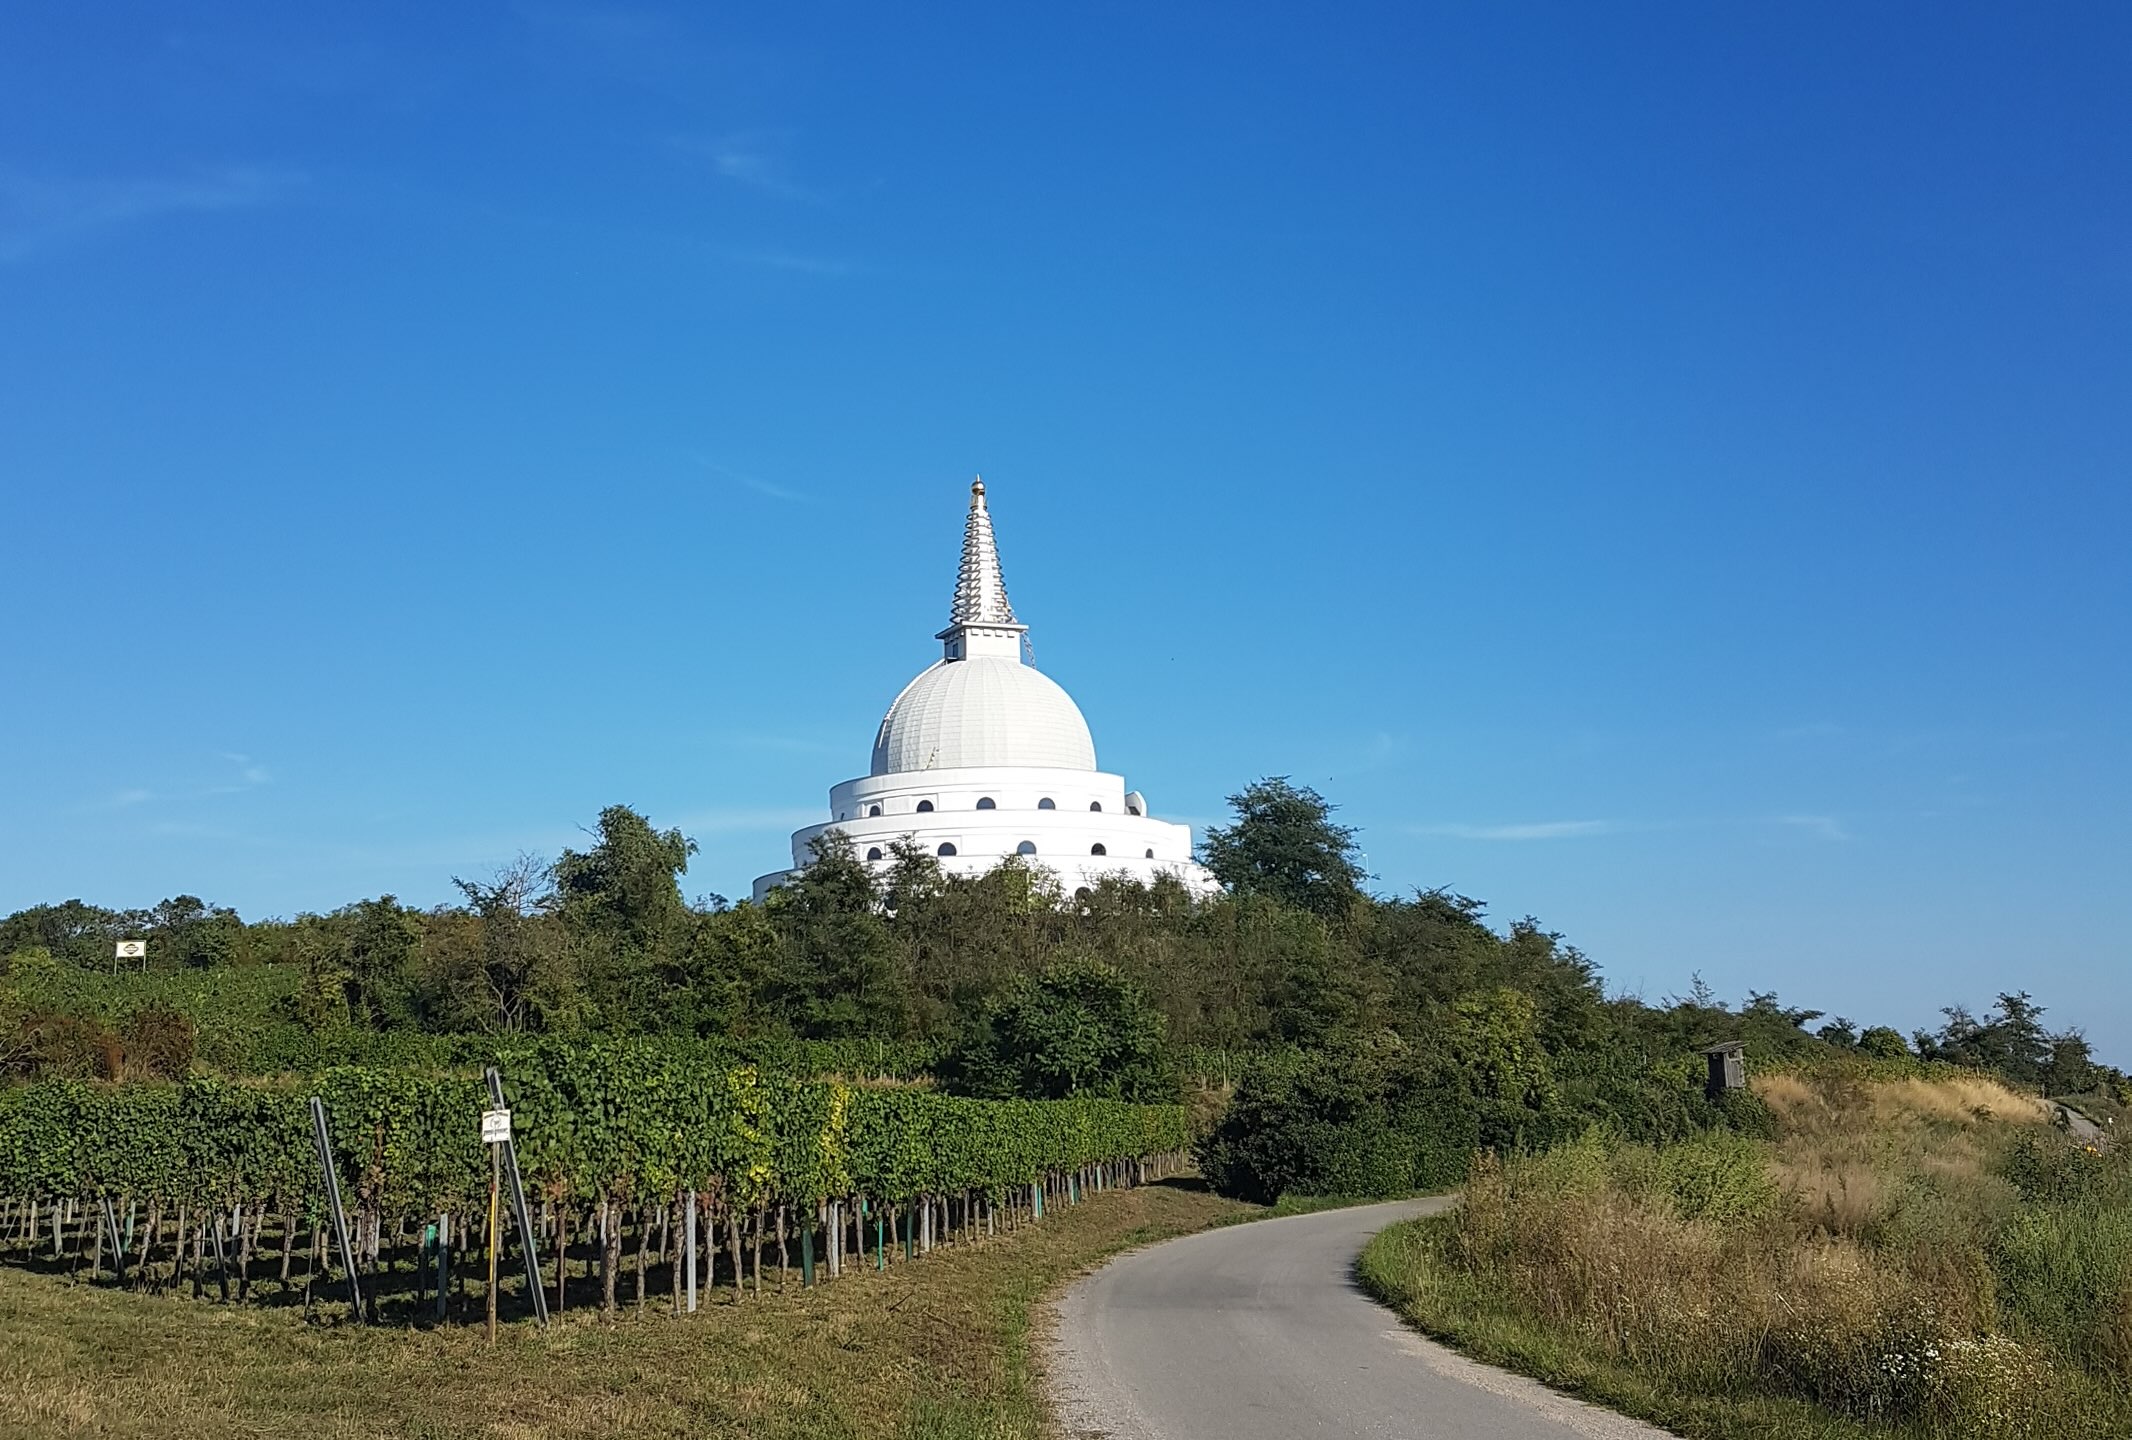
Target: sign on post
column 132, row 949
column 495, row 1126
column 506, row 1155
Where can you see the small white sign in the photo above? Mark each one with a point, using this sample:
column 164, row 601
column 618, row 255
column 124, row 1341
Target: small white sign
column 132, row 949
column 495, row 1126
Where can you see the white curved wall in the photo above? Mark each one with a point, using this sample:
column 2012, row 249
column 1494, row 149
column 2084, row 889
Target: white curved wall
column 1088, row 809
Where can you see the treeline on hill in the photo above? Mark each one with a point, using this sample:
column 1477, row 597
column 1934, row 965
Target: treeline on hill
column 1371, row 1043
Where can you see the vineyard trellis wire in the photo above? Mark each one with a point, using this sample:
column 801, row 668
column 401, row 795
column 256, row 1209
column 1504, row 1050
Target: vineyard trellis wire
column 613, row 1137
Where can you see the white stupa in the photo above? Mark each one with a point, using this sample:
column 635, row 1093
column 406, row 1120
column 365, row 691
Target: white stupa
column 983, row 756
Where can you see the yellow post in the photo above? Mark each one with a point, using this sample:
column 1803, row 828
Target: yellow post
column 495, row 1189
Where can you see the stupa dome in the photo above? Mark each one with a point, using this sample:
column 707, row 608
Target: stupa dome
column 984, row 760
column 983, row 711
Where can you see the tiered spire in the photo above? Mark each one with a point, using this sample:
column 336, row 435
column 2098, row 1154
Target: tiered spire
column 980, row 590
column 981, row 620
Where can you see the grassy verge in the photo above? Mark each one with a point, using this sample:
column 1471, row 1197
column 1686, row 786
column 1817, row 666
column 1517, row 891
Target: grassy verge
column 935, row 1350
column 1915, row 1257
column 1403, row 1267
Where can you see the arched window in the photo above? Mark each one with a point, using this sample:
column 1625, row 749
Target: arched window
column 925, row 807
column 1027, row 847
column 984, row 802
column 947, row 847
column 873, row 852
column 1046, row 804
column 872, row 811
column 1095, row 804
column 1097, row 850
column 1150, row 854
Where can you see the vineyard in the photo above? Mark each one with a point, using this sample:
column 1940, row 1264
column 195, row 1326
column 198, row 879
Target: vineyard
column 216, row 1184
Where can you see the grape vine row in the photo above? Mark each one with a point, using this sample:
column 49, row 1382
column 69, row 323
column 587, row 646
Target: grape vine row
column 603, row 1128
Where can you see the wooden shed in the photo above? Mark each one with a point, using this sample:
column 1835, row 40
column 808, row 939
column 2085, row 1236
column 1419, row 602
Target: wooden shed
column 1728, row 1067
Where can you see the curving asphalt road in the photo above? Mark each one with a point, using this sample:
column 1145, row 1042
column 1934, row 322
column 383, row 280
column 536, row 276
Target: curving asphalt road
column 1258, row 1332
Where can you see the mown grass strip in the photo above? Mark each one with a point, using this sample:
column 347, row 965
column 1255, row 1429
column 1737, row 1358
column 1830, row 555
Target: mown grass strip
column 930, row 1351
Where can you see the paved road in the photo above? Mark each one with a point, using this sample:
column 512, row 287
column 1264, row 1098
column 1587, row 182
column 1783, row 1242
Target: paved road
column 1257, row 1332
column 2079, row 1126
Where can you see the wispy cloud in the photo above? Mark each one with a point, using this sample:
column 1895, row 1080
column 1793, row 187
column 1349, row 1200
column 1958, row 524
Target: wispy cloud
column 126, row 799
column 1538, row 830
column 755, row 159
column 250, row 775
column 1827, row 827
column 754, row 482
column 39, row 214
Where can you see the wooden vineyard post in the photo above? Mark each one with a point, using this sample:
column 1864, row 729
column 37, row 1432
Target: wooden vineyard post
column 806, row 1229
column 495, row 1199
column 323, row 1139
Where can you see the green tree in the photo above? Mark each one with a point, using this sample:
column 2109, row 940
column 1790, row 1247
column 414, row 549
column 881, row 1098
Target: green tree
column 1080, row 1028
column 836, row 976
column 518, row 976
column 621, row 910
column 627, row 886
column 2070, row 1068
column 1883, row 1042
column 381, row 938
column 78, row 933
column 1285, row 845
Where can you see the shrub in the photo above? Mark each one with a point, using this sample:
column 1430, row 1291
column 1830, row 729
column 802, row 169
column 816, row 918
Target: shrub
column 1313, row 1124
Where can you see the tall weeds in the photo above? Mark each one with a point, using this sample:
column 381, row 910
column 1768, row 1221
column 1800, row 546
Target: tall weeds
column 1926, row 1257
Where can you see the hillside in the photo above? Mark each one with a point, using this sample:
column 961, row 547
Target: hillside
column 1918, row 1254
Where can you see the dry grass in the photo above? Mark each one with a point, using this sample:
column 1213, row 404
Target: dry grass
column 1835, row 1103
column 1839, row 1279
column 935, row 1349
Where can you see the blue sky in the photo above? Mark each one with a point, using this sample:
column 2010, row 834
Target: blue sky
column 1659, row 469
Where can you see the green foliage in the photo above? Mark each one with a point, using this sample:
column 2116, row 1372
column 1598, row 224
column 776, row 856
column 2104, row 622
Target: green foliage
column 1285, row 846
column 1494, row 1038
column 1459, row 1035
column 1884, row 1042
column 1717, row 1177
column 1313, row 1123
column 1388, row 1119
column 621, row 908
column 2009, row 1040
column 1080, row 1028
column 623, row 1120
